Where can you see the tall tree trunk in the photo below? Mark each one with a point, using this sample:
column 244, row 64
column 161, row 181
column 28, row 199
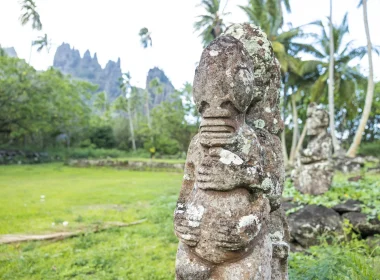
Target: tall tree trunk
column 283, row 138
column 295, row 130
column 283, row 141
column 370, row 89
column 331, row 86
column 131, row 125
column 148, row 110
column 302, row 138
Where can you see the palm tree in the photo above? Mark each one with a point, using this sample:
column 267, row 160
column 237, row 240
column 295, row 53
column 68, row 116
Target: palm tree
column 146, row 41
column 29, row 13
column 343, row 79
column 145, row 38
column 156, row 87
column 268, row 15
column 210, row 24
column 331, row 84
column 125, row 86
column 101, row 102
column 42, row 42
column 300, row 79
column 370, row 88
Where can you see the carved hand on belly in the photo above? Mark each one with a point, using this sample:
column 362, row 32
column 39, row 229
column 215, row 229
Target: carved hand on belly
column 187, row 223
column 230, row 236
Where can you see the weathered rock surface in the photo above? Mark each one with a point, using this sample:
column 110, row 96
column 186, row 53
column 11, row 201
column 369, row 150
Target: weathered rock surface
column 363, row 225
column 347, row 164
column 374, row 169
column 348, row 206
column 228, row 216
column 167, row 87
column 287, row 205
column 11, row 52
column 313, row 172
column 280, row 237
column 69, row 61
column 372, row 159
column 24, row 157
column 310, row 222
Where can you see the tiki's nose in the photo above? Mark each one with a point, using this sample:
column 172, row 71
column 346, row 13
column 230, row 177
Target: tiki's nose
column 215, row 110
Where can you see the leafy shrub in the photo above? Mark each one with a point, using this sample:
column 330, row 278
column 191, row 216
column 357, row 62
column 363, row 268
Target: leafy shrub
column 139, row 153
column 103, row 137
column 163, row 145
column 86, row 144
column 353, row 260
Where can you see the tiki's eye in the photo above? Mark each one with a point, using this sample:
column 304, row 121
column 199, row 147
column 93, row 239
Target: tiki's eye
column 202, row 108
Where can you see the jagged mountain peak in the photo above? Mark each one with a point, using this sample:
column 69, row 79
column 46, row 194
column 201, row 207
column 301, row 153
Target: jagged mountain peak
column 168, row 88
column 69, row 61
column 11, row 52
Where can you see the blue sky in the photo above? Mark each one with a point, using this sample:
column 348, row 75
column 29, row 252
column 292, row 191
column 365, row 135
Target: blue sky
column 110, row 28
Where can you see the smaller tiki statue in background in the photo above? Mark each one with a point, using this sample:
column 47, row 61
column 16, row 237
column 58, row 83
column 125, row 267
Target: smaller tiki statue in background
column 314, row 169
column 228, row 216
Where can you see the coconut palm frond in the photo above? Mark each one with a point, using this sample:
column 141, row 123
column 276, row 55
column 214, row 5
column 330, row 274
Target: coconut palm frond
column 210, row 25
column 29, row 13
column 319, row 88
column 145, row 37
column 305, row 48
column 42, row 42
column 355, row 53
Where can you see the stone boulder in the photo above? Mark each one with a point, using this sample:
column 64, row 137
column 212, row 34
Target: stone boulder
column 347, row 164
column 24, row 157
column 348, row 206
column 362, row 224
column 310, row 222
column 372, row 159
column 287, row 205
column 374, row 169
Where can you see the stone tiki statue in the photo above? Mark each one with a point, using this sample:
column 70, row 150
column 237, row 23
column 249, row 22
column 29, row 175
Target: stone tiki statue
column 314, row 169
column 228, row 216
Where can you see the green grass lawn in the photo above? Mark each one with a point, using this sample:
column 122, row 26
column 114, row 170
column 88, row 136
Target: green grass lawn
column 85, row 197
column 88, row 197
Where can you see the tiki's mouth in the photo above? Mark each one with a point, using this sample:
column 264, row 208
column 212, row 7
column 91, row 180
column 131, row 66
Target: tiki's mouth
column 217, row 130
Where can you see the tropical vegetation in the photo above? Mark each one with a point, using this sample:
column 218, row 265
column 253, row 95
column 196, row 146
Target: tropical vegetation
column 53, row 112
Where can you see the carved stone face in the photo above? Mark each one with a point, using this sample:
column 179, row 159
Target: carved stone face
column 317, row 120
column 223, row 90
